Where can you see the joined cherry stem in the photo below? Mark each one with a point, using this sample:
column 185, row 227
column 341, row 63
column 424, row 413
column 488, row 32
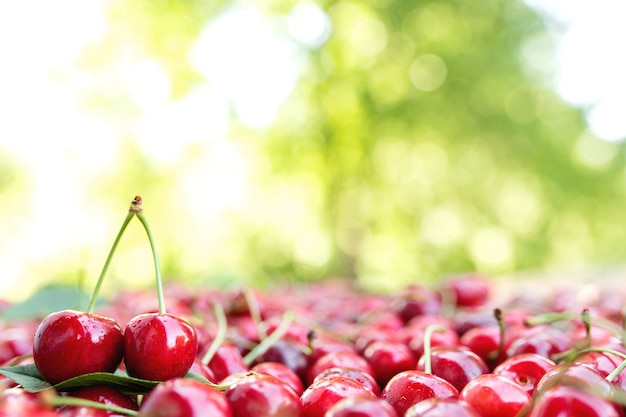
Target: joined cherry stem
column 157, row 268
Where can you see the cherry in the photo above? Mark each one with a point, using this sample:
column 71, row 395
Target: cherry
column 103, row 395
column 545, row 341
column 158, row 346
column 185, row 397
column 281, row 372
column 16, row 402
column 410, row 387
column 576, row 374
column 345, row 359
column 227, row 360
column 202, row 369
column 417, row 301
column 441, row 407
column 289, row 353
column 525, row 369
column 262, row 395
column 361, row 407
column 469, row 290
column 495, row 396
column 69, row 343
column 358, row 375
column 456, row 365
column 388, row 358
column 570, row 401
column 321, row 395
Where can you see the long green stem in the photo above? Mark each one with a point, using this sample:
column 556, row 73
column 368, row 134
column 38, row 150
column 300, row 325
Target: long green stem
column 428, row 334
column 105, row 268
column 56, row 401
column 272, row 338
column 157, row 268
column 220, row 335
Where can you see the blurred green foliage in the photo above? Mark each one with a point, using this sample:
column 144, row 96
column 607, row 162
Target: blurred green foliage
column 422, row 139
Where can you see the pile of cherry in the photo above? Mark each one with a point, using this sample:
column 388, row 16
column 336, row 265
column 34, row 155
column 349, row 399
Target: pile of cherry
column 324, row 350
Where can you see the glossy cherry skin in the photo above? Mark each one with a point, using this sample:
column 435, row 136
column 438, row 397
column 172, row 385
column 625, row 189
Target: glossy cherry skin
column 495, row 396
column 361, row 407
column 226, row 361
column 185, row 397
column 290, row 353
column 456, row 365
column 15, row 402
column 576, row 374
column 320, row 396
column 442, row 407
column 262, row 395
column 345, row 359
column 525, row 369
column 283, row 373
column 159, row 347
column 358, row 375
column 69, row 343
column 388, row 358
column 101, row 394
column 410, row 387
column 568, row 401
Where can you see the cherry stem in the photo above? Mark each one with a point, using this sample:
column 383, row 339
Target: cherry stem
column 220, row 335
column 428, row 333
column 54, row 400
column 105, row 268
column 585, row 317
column 497, row 313
column 255, row 313
column 157, row 268
column 272, row 338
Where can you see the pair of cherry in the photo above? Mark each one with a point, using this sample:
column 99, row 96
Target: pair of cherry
column 154, row 346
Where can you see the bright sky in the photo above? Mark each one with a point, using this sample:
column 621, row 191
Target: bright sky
column 44, row 127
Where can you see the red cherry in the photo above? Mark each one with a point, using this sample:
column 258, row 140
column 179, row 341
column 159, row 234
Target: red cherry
column 469, row 290
column 159, row 346
column 442, row 407
column 185, row 397
column 388, row 358
column 570, row 401
column 456, row 365
column 281, row 372
column 101, row 394
column 525, row 369
column 262, row 395
column 576, row 374
column 417, row 301
column 546, row 342
column 345, row 359
column 358, row 375
column 15, row 402
column 410, row 387
column 321, row 395
column 495, row 396
column 226, row 361
column 485, row 342
column 287, row 352
column 361, row 407
column 69, row 343
column 202, row 369
column 447, row 337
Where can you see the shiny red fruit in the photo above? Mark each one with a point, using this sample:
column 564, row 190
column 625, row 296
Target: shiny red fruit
column 358, row 375
column 159, row 347
column 283, row 373
column 570, row 401
column 69, row 343
column 185, row 397
column 320, row 396
column 361, row 407
column 495, row 396
column 410, row 387
column 262, row 395
column 525, row 369
column 442, row 407
column 456, row 365
column 468, row 290
column 388, row 358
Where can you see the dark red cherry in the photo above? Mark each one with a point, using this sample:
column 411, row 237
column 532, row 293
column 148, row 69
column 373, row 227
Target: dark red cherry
column 159, row 346
column 495, row 396
column 262, row 395
column 410, row 387
column 456, row 365
column 525, row 369
column 361, row 407
column 69, row 343
column 321, row 395
column 570, row 401
column 418, row 301
column 290, row 353
column 442, row 407
column 185, row 397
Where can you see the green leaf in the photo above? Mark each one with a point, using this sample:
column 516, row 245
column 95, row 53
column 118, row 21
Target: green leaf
column 31, row 380
column 27, row 376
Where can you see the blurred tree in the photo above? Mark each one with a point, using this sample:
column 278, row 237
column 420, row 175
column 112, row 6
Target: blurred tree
column 420, row 139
